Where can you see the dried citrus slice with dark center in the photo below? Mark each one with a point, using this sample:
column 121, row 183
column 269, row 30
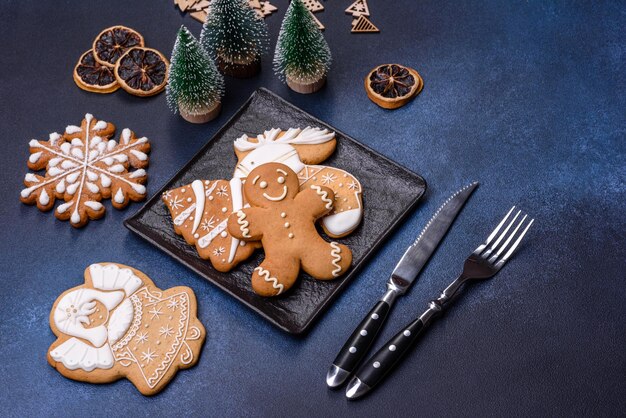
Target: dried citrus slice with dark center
column 392, row 85
column 142, row 71
column 90, row 75
column 113, row 42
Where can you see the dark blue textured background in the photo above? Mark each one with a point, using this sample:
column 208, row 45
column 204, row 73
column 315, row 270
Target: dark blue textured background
column 525, row 96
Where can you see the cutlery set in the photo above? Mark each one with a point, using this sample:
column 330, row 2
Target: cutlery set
column 486, row 260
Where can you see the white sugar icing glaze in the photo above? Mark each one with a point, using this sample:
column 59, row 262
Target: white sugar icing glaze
column 182, row 217
column 271, row 152
column 323, row 195
column 73, row 310
column 142, row 156
column 306, row 136
column 30, row 177
column 126, row 135
column 266, row 276
column 120, row 321
column 210, row 190
column 338, row 223
column 75, row 354
column 114, row 287
column 198, row 190
column 100, row 125
column 243, row 224
column 119, row 196
column 236, row 191
column 277, row 198
column 335, row 253
column 112, row 277
column 137, row 173
column 44, row 199
column 73, row 129
column 93, row 205
column 204, row 241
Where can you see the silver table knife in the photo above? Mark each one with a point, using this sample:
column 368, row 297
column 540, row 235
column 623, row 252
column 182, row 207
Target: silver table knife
column 403, row 276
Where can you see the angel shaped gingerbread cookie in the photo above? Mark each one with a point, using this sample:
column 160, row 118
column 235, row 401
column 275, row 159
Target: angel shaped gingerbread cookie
column 118, row 324
column 282, row 216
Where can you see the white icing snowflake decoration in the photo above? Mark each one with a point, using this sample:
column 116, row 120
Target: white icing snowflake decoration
column 328, row 178
column 84, row 166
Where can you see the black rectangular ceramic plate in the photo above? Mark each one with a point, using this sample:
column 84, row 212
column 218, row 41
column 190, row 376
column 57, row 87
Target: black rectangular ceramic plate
column 390, row 192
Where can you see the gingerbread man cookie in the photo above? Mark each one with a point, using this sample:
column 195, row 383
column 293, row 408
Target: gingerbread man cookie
column 119, row 324
column 283, row 218
column 301, row 150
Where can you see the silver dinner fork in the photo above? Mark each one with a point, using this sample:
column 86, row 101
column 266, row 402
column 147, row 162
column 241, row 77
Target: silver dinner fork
column 483, row 263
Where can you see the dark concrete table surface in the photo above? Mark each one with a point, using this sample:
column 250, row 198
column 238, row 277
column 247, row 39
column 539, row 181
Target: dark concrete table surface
column 526, row 97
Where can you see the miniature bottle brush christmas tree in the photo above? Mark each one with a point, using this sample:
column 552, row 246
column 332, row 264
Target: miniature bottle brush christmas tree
column 195, row 86
column 235, row 37
column 302, row 57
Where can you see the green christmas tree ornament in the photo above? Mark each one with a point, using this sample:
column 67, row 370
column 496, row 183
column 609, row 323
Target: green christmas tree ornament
column 195, row 86
column 302, row 57
column 235, row 37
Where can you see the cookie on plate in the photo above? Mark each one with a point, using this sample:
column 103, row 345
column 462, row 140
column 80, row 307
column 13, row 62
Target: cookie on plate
column 282, row 216
column 302, row 150
column 118, row 324
column 200, row 213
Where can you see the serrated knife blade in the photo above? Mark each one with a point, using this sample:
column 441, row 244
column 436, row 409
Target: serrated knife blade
column 405, row 273
column 417, row 255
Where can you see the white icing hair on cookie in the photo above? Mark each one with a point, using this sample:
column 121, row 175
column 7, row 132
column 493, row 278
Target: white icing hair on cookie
column 294, row 136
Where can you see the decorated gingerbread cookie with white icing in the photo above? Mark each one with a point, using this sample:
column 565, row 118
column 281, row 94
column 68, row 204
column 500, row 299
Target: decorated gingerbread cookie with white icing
column 118, row 324
column 282, row 217
column 200, row 213
column 84, row 166
column 301, row 150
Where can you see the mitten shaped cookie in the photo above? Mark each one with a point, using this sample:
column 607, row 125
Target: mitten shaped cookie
column 283, row 218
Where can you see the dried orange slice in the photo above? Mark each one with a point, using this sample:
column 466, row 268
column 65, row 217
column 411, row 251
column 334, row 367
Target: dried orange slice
column 392, row 85
column 113, row 42
column 92, row 76
column 142, row 71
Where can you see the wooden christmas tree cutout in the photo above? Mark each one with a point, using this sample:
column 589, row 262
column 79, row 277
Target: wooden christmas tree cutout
column 199, row 9
column 313, row 5
column 358, row 8
column 363, row 25
column 199, row 16
column 317, row 22
column 266, row 9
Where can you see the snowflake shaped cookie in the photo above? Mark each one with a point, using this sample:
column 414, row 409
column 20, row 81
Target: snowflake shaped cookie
column 83, row 166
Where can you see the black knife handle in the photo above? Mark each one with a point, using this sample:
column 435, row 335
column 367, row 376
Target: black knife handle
column 355, row 348
column 376, row 367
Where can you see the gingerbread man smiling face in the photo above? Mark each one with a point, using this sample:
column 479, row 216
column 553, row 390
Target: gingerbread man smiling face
column 283, row 218
column 271, row 185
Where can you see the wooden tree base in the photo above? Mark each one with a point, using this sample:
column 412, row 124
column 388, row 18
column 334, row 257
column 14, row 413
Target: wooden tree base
column 239, row 70
column 202, row 117
column 305, row 88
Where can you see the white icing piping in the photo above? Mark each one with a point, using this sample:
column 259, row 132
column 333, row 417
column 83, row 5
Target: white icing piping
column 198, row 190
column 306, row 136
column 75, row 218
column 182, row 217
column 266, row 276
column 204, row 241
column 336, row 250
column 83, row 165
column 237, row 199
column 243, row 224
column 278, row 198
column 324, row 195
